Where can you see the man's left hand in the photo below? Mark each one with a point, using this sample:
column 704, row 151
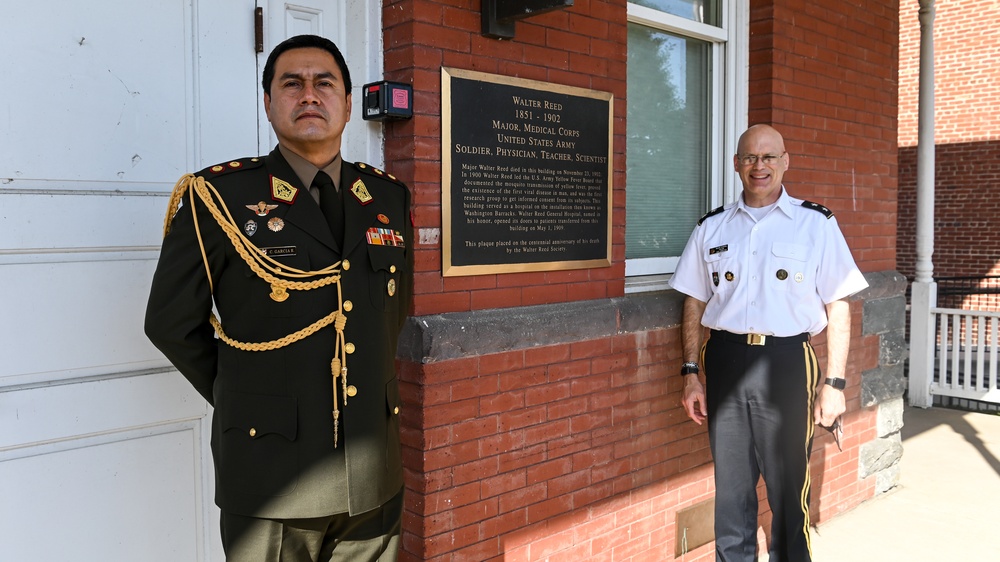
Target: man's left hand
column 829, row 405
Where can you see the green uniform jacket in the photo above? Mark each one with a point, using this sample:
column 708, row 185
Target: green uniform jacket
column 272, row 429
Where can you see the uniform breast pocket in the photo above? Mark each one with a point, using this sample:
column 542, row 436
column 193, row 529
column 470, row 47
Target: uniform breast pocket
column 790, row 265
column 257, row 445
column 722, row 267
column 387, row 263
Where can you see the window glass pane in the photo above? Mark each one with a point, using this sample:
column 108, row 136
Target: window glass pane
column 703, row 11
column 669, row 100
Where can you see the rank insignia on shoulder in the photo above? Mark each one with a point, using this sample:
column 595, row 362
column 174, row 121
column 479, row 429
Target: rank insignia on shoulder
column 818, row 207
column 369, row 169
column 283, row 191
column 385, row 237
column 233, row 165
column 711, row 213
column 360, row 192
column 262, row 208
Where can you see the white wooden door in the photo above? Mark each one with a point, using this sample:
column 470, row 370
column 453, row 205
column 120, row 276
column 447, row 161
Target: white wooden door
column 356, row 27
column 104, row 448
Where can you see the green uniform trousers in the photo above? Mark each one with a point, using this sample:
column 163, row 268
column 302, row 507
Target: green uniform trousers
column 372, row 536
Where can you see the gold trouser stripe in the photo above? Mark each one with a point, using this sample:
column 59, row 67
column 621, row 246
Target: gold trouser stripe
column 812, row 378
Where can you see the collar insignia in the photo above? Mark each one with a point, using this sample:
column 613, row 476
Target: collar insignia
column 361, row 192
column 283, row 191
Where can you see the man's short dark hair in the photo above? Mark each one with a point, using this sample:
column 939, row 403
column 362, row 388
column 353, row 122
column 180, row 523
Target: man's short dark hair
column 304, row 42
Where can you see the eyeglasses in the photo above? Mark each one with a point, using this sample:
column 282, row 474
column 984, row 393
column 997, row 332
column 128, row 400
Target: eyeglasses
column 751, row 159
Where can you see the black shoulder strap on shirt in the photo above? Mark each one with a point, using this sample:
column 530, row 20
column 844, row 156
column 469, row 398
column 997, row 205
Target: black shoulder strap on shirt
column 818, row 207
column 711, row 213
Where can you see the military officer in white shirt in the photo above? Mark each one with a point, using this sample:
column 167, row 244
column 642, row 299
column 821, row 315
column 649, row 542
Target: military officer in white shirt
column 764, row 274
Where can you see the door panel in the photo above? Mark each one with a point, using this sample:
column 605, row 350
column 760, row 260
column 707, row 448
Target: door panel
column 80, row 98
column 105, row 104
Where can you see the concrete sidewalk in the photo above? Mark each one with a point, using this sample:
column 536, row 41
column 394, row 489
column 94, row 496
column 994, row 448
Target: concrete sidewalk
column 946, row 507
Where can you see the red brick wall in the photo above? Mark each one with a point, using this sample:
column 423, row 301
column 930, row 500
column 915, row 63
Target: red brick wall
column 824, row 74
column 580, row 451
column 967, row 135
column 966, row 232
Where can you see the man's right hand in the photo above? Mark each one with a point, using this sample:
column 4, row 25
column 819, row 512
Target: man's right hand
column 694, row 399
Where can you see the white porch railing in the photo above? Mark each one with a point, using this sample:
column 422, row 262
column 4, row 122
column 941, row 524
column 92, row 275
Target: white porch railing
column 953, row 352
column 965, row 354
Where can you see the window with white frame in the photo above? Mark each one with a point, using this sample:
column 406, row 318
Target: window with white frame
column 687, row 91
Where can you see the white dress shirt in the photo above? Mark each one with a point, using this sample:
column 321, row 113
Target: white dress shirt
column 771, row 276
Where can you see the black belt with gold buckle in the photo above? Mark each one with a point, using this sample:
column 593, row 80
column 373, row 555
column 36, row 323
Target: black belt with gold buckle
column 759, row 339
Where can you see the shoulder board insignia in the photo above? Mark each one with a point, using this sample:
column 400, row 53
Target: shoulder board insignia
column 711, row 213
column 371, row 170
column 283, row 191
column 818, row 207
column 226, row 167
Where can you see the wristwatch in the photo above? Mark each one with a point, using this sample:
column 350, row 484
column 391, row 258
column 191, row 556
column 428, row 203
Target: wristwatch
column 838, row 383
column 689, row 368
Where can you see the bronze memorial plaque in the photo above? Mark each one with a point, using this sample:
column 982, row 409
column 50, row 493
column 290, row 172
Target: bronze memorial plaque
column 526, row 175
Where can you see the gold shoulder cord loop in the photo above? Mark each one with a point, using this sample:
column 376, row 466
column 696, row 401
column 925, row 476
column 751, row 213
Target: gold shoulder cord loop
column 278, row 275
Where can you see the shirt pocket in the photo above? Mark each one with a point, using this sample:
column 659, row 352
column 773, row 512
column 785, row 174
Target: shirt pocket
column 722, row 267
column 789, row 267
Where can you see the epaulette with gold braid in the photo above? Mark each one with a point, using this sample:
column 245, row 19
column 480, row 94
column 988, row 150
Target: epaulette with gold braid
column 232, row 166
column 373, row 171
column 281, row 277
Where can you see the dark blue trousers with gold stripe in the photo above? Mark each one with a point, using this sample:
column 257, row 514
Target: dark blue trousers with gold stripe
column 760, row 422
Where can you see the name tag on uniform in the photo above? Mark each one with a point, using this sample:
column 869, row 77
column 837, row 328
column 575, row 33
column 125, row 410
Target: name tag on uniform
column 718, row 249
column 278, row 251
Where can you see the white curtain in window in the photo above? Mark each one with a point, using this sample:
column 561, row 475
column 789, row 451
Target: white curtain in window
column 669, row 136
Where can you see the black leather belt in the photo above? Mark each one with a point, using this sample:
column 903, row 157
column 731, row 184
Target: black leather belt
column 759, row 339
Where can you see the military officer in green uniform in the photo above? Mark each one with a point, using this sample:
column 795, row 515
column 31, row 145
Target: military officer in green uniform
column 282, row 286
